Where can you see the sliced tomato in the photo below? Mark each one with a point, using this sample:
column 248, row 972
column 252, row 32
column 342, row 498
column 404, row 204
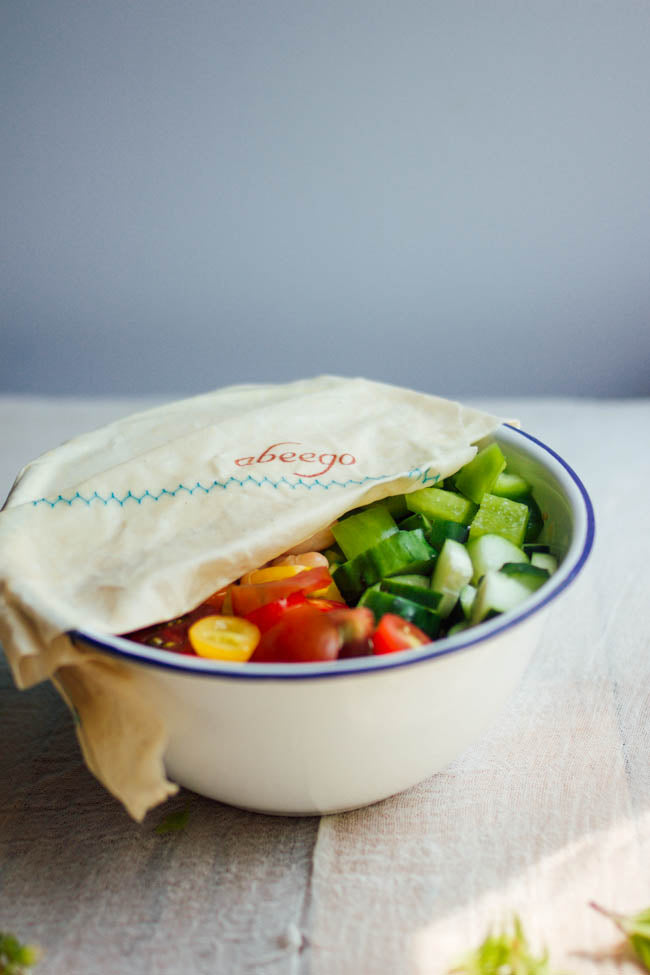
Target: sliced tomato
column 356, row 648
column 355, row 627
column 249, row 596
column 268, row 615
column 272, row 573
column 353, row 624
column 215, row 601
column 171, row 635
column 171, row 638
column 302, row 635
column 393, row 633
column 163, row 638
column 325, row 605
column 224, row 638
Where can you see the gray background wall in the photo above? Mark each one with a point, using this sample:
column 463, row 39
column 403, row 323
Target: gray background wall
column 448, row 195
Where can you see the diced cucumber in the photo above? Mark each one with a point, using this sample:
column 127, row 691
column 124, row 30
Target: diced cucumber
column 413, row 522
column 453, row 571
column 500, row 516
column 535, row 520
column 466, row 599
column 435, row 503
column 458, row 627
column 439, row 530
column 357, row 533
column 511, row 486
column 489, row 552
column 350, row 578
column 477, row 478
column 400, row 553
column 418, row 594
column 395, row 505
column 544, row 560
column 497, row 594
column 380, row 603
column 413, row 579
column 484, row 523
column 528, row 575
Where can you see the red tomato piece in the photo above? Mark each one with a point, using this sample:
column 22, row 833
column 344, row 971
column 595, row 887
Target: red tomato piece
column 325, row 605
column 393, row 633
column 268, row 615
column 215, row 601
column 250, row 596
column 173, row 635
column 302, row 635
column 355, row 627
column 356, row 648
column 353, row 624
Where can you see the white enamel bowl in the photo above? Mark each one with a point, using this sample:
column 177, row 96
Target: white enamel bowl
column 319, row 738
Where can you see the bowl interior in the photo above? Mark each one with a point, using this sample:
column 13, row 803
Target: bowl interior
column 550, row 494
column 566, row 506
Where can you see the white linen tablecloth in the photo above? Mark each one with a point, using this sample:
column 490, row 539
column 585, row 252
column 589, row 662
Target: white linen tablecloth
column 550, row 809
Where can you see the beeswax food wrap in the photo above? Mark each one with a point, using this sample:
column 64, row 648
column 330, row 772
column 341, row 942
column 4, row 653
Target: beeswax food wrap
column 142, row 520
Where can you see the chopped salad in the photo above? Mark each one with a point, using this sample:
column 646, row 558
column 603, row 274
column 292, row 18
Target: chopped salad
column 402, row 572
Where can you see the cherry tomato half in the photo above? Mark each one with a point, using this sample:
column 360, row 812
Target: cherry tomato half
column 356, row 648
column 355, row 627
column 393, row 633
column 247, row 597
column 353, row 624
column 172, row 635
column 215, row 602
column 272, row 573
column 325, row 605
column 224, row 638
column 268, row 615
column 302, row 635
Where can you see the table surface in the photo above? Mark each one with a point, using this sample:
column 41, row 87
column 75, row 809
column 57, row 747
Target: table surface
column 550, row 809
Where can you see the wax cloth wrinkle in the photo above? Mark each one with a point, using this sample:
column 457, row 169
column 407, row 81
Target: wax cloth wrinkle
column 143, row 519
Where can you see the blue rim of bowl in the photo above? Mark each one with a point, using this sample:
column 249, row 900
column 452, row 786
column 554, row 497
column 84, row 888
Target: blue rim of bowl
column 371, row 665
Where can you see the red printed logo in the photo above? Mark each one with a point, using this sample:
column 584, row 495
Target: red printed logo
column 294, row 456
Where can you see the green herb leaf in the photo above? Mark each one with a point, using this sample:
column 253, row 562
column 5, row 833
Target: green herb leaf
column 635, row 927
column 504, row 953
column 173, row 823
column 17, row 959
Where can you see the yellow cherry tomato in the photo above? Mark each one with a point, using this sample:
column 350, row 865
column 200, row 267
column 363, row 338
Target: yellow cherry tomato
column 224, row 638
column 272, row 573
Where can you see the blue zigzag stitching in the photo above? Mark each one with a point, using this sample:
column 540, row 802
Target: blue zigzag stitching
column 426, row 477
column 416, row 472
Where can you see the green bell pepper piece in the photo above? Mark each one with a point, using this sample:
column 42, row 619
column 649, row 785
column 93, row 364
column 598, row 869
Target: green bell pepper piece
column 357, row 533
column 445, row 505
column 477, row 478
column 500, row 516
